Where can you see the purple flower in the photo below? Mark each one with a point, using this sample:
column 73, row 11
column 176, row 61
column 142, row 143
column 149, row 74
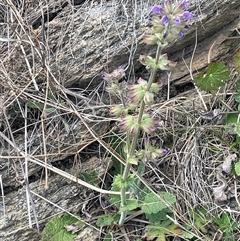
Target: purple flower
column 187, row 15
column 103, row 75
column 164, row 20
column 157, row 9
column 180, row 34
column 184, row 4
column 164, row 151
column 177, row 20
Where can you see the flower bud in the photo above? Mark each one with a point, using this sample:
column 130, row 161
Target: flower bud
column 116, row 75
column 114, row 88
column 164, row 151
column 157, row 9
column 148, row 61
column 155, row 87
column 181, row 34
column 119, row 72
column 164, row 20
column 116, row 110
column 184, row 4
column 136, row 93
column 177, row 20
column 150, row 39
column 168, row 6
column 147, row 124
column 106, row 76
column 158, row 30
column 128, row 123
column 148, row 98
column 164, row 63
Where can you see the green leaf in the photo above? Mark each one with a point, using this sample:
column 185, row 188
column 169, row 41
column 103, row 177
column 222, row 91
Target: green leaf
column 107, row 237
column 55, row 231
column 186, row 235
column 115, row 199
column 153, row 204
column 230, row 121
column 160, row 231
column 107, row 220
column 238, row 139
column 35, row 105
column 133, row 160
column 237, row 98
column 216, row 75
column 90, row 177
column 223, row 222
column 226, row 225
column 159, row 216
column 50, row 110
column 237, row 168
column 104, row 221
column 237, row 129
column 150, row 63
column 200, row 219
column 131, row 204
column 119, row 182
column 236, row 61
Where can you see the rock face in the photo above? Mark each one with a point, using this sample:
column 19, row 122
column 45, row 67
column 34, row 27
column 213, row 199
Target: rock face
column 62, row 195
column 52, row 55
column 77, row 42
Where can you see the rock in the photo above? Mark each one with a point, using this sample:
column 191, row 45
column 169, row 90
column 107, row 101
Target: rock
column 62, row 195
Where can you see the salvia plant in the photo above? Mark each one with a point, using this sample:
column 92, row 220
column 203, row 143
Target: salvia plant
column 134, row 114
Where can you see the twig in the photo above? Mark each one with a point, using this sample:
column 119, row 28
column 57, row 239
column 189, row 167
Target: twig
column 190, row 71
column 58, row 171
column 3, row 198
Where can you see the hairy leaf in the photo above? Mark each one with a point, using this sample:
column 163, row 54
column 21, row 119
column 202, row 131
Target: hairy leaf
column 107, row 220
column 231, row 121
column 237, row 98
column 131, row 204
column 107, row 237
column 216, row 75
column 55, row 230
column 153, row 204
column 237, row 168
column 159, row 216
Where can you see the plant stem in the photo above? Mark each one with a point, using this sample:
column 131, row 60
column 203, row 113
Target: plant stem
column 132, row 149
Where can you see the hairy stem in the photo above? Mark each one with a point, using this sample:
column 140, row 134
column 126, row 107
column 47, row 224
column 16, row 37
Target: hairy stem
column 131, row 150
